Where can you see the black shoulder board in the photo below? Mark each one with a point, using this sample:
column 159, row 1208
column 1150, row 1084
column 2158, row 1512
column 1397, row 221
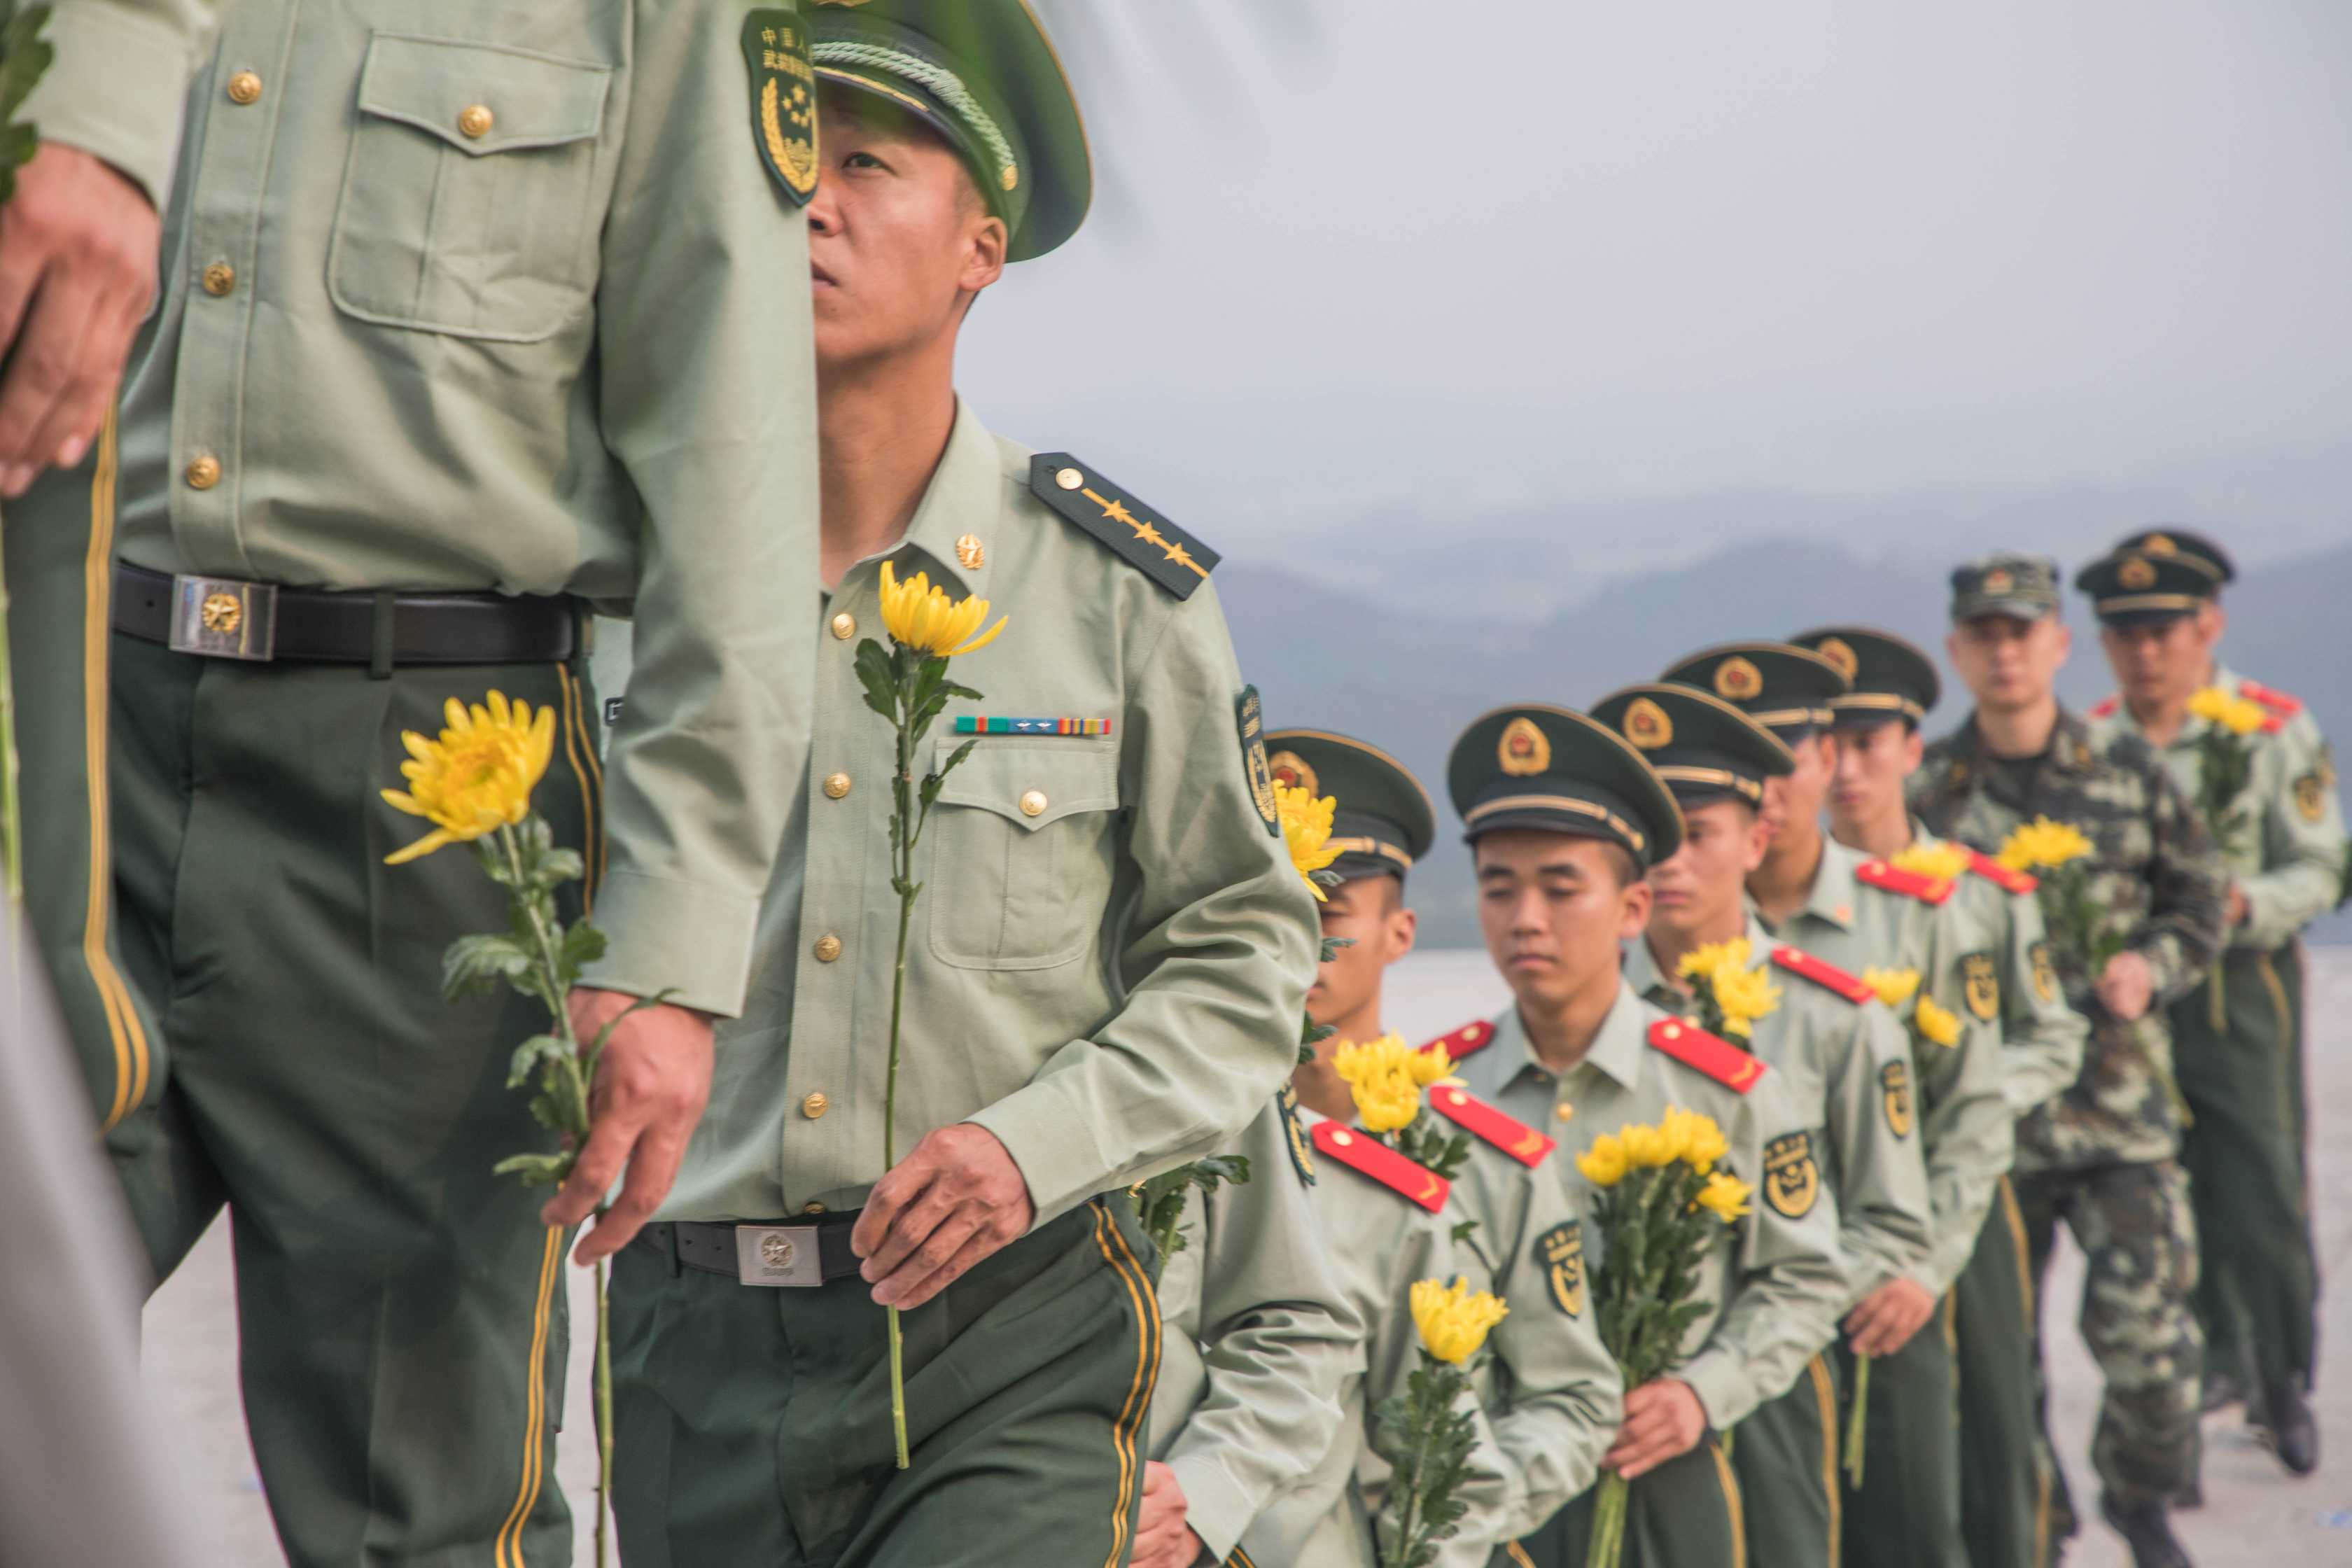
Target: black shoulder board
column 1137, row 534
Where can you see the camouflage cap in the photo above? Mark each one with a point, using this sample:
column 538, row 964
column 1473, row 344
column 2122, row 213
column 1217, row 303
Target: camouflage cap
column 2008, row 583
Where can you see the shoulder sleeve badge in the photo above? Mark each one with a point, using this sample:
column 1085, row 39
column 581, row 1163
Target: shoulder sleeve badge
column 1894, row 1092
column 1468, row 1040
column 1294, row 1133
column 1489, row 1125
column 1367, row 1155
column 1998, row 874
column 1910, row 884
column 1560, row 1252
column 1130, row 530
column 1828, row 976
column 2312, row 790
column 783, row 99
column 1249, row 719
column 1980, row 983
column 1793, row 1176
column 2045, row 972
column 1717, row 1057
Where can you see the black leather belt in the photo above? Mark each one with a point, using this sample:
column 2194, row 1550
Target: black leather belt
column 804, row 1255
column 221, row 617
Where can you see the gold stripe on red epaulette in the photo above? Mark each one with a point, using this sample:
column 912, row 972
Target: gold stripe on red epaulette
column 1484, row 1122
column 1464, row 1040
column 1719, row 1058
column 1828, row 976
column 2001, row 876
column 1911, row 884
column 1368, row 1156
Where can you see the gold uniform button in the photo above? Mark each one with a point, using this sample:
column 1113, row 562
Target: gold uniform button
column 1069, row 479
column 203, row 473
column 1033, row 802
column 243, row 87
column 475, row 119
column 811, row 1208
column 814, row 1105
column 828, row 948
column 1564, row 1111
column 845, row 627
column 219, row 278
column 836, row 785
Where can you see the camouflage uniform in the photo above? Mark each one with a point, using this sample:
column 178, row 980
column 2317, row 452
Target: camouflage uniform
column 2102, row 1155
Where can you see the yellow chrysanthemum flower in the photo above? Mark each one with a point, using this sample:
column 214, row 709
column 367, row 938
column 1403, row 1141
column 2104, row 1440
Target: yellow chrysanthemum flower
column 1306, row 833
column 477, row 777
column 2042, row 844
column 1725, row 1196
column 2210, row 703
column 1937, row 1025
column 1711, row 958
column 1895, row 986
column 918, row 614
column 1744, row 996
column 1452, row 1320
column 2243, row 718
column 1697, row 1140
column 1603, row 1164
column 1383, row 1077
column 1648, row 1147
column 1945, row 862
column 1429, row 1067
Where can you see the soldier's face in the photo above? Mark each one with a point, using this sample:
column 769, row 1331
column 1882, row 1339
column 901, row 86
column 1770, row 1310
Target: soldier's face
column 1866, row 788
column 2007, row 663
column 1554, row 909
column 1798, row 797
column 2161, row 662
column 899, row 241
column 1697, row 893
column 1367, row 913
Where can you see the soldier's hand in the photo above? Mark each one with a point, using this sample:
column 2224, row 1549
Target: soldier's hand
column 1162, row 1539
column 2126, row 986
column 650, row 1088
column 78, row 253
column 1664, row 1420
column 956, row 1198
column 1888, row 1317
column 2239, row 909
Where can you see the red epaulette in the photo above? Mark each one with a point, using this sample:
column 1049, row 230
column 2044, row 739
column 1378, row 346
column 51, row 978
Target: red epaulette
column 1719, row 1058
column 1828, row 976
column 1993, row 871
column 1362, row 1152
column 1482, row 1120
column 1911, row 884
column 2274, row 722
column 2278, row 702
column 1464, row 1040
column 2106, row 709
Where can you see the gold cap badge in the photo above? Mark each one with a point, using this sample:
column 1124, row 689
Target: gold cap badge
column 1998, row 582
column 1737, row 681
column 1647, row 726
column 2160, row 544
column 1841, row 654
column 1291, row 769
column 1524, row 751
column 2135, row 574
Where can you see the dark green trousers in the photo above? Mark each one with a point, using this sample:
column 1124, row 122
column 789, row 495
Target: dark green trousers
column 1906, row 1512
column 256, row 1001
column 1684, row 1514
column 2243, row 1154
column 1786, row 1454
column 752, row 1426
column 2004, row 1487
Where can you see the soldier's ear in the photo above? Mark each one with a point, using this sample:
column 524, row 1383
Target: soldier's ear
column 1633, row 913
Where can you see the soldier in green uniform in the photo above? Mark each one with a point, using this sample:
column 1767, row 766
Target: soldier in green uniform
column 1853, row 909
column 1564, row 819
column 1840, row 1053
column 1105, row 972
column 2102, row 1155
column 2236, row 1038
column 468, row 320
column 2006, row 988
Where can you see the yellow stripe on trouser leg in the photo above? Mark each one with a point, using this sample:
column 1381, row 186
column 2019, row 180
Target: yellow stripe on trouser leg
column 130, row 1059
column 534, row 1458
column 1129, row 1427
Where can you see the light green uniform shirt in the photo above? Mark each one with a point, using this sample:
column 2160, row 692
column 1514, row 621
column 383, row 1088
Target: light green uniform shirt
column 1259, row 1337
column 2287, row 854
column 119, row 80
column 1109, row 960
column 1774, row 1291
column 569, row 353
column 1838, row 1062
column 1965, row 1128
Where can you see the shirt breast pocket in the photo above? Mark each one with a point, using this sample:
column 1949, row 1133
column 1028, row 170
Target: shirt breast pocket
column 468, row 203
column 1022, row 851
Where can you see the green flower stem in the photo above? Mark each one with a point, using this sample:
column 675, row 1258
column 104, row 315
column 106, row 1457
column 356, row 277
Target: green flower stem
column 1856, row 1419
column 1607, row 1544
column 901, row 787
column 12, row 816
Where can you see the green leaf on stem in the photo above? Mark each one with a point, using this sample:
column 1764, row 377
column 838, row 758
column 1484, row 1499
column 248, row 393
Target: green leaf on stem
column 475, row 963
column 536, row 1169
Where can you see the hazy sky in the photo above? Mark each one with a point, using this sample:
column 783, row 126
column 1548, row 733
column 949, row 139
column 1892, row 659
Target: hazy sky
column 1485, row 255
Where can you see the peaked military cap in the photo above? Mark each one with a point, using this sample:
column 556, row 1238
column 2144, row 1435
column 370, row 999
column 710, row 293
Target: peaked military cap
column 1556, row 771
column 2131, row 586
column 2165, row 539
column 1786, row 689
column 1703, row 748
column 1381, row 820
column 2023, row 587
column 983, row 75
column 1892, row 678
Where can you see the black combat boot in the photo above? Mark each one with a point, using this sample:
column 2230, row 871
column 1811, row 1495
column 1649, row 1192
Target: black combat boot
column 2286, row 1428
column 2222, row 1389
column 2146, row 1529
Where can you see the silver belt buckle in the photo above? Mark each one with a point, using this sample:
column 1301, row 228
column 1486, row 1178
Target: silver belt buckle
column 220, row 617
column 777, row 1254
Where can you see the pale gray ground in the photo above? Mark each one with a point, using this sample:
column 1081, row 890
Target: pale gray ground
column 2253, row 1515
